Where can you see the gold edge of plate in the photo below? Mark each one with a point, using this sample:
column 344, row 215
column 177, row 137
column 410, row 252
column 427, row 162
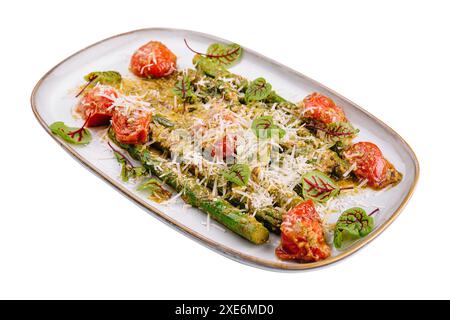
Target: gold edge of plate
column 211, row 243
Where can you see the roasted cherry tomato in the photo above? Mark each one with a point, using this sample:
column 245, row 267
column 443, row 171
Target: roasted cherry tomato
column 321, row 108
column 131, row 127
column 225, row 147
column 302, row 237
column 96, row 105
column 153, row 60
column 371, row 165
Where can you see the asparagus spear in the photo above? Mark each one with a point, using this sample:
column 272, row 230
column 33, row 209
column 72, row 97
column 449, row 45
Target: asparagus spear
column 198, row 196
column 270, row 217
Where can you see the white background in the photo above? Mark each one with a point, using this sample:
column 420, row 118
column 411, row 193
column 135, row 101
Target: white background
column 66, row 234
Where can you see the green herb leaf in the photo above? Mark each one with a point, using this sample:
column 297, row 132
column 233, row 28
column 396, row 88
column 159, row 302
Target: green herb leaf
column 128, row 170
column 156, row 191
column 336, row 131
column 104, row 77
column 183, row 88
column 218, row 58
column 318, row 187
column 238, row 174
column 353, row 224
column 127, row 167
column 72, row 135
column 273, row 97
column 224, row 55
column 209, row 67
column 264, row 128
column 157, row 118
column 258, row 90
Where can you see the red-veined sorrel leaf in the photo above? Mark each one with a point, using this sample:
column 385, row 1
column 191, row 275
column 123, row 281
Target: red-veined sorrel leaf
column 353, row 224
column 103, row 77
column 225, row 55
column 257, row 90
column 238, row 174
column 264, row 128
column 318, row 186
column 183, row 88
column 209, row 67
column 72, row 135
column 335, row 131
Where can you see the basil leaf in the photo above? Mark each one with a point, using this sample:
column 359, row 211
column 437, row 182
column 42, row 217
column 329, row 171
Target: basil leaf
column 353, row 224
column 318, row 187
column 224, row 55
column 238, row 174
column 263, row 127
column 157, row 118
column 156, row 191
column 104, row 77
column 72, row 135
column 258, row 90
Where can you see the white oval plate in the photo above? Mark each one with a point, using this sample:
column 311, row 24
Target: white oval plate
column 52, row 100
